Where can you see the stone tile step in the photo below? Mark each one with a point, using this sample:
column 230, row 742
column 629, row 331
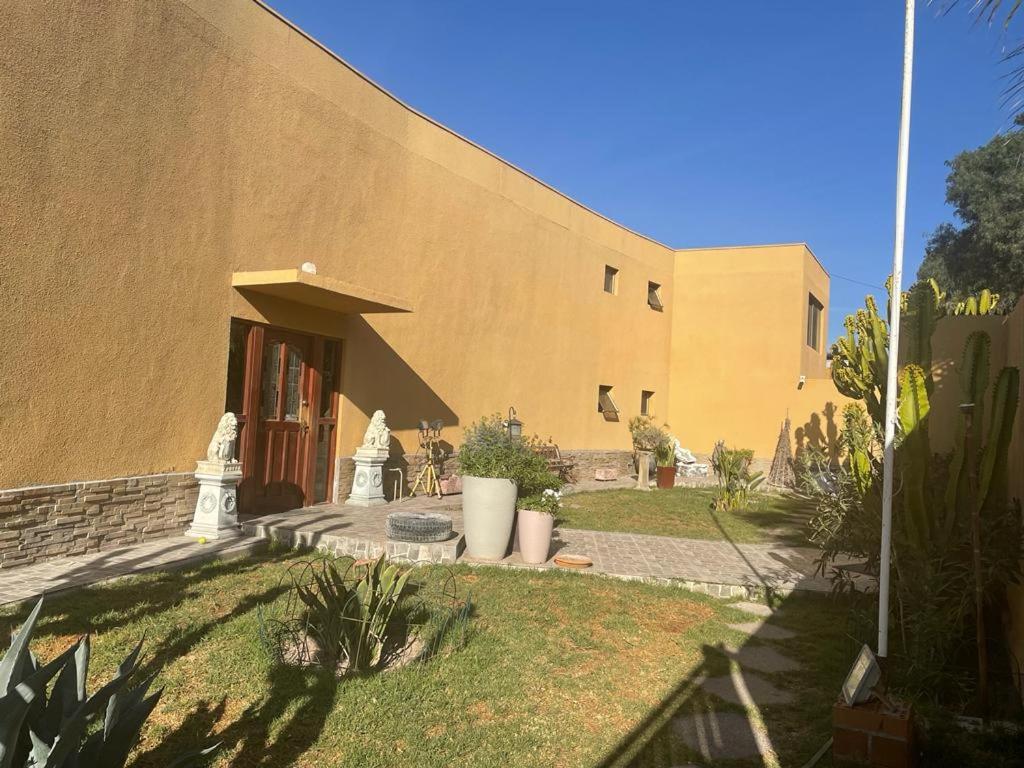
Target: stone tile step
column 763, row 630
column 762, row 658
column 757, row 609
column 736, row 690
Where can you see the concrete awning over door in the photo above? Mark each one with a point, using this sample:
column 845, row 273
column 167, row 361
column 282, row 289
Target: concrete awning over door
column 318, row 291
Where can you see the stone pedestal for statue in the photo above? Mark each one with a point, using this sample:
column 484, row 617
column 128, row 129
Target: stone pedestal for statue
column 368, row 482
column 216, row 515
column 643, row 470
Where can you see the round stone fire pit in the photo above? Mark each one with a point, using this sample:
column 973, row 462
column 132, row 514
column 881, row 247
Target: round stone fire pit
column 418, row 527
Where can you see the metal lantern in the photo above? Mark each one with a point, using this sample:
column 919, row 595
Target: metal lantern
column 515, row 426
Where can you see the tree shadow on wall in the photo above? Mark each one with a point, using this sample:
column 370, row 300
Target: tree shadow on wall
column 818, row 438
column 391, row 385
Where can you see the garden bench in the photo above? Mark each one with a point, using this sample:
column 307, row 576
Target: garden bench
column 556, row 462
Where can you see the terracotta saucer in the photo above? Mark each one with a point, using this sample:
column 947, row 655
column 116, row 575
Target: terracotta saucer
column 573, row 561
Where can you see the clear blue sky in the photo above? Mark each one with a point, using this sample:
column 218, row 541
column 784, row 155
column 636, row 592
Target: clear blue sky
column 698, row 123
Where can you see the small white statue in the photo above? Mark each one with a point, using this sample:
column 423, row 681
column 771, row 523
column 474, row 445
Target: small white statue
column 222, row 446
column 683, row 456
column 377, row 434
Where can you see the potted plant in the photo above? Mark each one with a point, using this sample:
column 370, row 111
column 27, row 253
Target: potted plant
column 536, row 522
column 646, row 437
column 494, row 467
column 666, row 458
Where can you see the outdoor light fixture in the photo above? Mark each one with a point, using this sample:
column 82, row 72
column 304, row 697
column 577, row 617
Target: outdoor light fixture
column 864, row 675
column 515, row 426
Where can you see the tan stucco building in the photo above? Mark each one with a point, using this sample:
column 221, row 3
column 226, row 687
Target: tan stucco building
column 167, row 168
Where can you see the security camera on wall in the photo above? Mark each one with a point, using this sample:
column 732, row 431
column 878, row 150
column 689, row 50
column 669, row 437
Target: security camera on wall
column 803, row 380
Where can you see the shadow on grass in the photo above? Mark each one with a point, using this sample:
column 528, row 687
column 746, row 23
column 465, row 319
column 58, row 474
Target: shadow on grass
column 90, row 608
column 783, row 518
column 766, row 702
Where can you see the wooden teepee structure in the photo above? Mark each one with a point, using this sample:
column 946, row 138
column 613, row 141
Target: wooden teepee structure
column 781, row 474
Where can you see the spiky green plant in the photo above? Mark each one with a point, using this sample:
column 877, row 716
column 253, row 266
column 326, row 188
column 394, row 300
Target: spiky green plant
column 40, row 730
column 735, row 479
column 351, row 620
column 664, row 455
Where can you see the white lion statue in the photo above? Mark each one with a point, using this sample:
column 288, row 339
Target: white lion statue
column 222, row 446
column 377, row 434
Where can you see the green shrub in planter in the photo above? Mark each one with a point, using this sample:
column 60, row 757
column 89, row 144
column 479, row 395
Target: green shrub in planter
column 664, row 454
column 646, row 435
column 497, row 468
column 487, row 450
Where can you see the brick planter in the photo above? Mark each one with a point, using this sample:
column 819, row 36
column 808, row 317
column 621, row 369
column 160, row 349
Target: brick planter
column 872, row 734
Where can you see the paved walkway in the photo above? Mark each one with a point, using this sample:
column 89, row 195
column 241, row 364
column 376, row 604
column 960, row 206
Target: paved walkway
column 30, row 581
column 720, row 568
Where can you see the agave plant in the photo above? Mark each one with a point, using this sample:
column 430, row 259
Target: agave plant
column 351, row 620
column 49, row 731
column 735, row 480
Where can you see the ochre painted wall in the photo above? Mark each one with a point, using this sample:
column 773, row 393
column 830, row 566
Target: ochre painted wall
column 739, row 348
column 151, row 149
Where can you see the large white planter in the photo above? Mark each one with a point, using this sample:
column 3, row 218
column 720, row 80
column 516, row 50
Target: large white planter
column 488, row 512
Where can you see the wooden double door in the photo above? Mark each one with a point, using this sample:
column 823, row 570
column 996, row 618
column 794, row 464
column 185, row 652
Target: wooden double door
column 286, row 396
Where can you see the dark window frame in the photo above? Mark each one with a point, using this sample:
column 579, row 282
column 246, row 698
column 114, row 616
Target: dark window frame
column 815, row 312
column 646, row 396
column 611, row 279
column 605, row 404
column 654, row 296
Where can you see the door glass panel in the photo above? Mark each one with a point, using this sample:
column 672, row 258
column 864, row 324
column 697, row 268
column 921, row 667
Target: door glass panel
column 291, row 385
column 236, row 368
column 327, row 389
column 271, row 371
column 323, row 443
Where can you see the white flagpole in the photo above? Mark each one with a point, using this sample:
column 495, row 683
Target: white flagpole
column 895, row 291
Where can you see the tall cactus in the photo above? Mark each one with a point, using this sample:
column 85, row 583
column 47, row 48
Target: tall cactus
column 912, row 411
column 973, row 384
column 994, row 470
column 859, row 363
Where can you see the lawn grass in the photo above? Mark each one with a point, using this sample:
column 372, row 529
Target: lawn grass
column 559, row 669
column 685, row 513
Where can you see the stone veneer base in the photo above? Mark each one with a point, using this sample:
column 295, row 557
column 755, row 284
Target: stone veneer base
column 586, row 463
column 439, row 552
column 48, row 521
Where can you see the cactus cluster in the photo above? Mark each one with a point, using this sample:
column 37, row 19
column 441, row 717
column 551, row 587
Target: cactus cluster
column 859, row 364
column 44, row 726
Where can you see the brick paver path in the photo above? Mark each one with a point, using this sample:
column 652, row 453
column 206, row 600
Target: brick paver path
column 30, row 581
column 759, row 566
column 716, row 567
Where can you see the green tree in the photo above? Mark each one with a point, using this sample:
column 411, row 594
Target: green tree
column 986, row 186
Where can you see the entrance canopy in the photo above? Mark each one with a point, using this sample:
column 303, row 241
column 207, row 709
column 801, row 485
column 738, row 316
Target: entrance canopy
column 318, row 291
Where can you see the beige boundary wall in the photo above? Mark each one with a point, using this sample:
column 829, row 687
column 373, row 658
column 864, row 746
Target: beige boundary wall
column 151, row 150
column 1007, row 334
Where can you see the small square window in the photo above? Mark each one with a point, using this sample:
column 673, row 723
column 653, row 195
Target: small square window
column 605, row 405
column 645, row 402
column 611, row 279
column 654, row 296
column 814, row 310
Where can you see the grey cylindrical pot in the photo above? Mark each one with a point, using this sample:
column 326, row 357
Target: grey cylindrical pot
column 488, row 511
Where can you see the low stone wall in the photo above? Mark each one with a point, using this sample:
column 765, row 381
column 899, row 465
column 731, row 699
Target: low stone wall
column 58, row 520
column 586, row 462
